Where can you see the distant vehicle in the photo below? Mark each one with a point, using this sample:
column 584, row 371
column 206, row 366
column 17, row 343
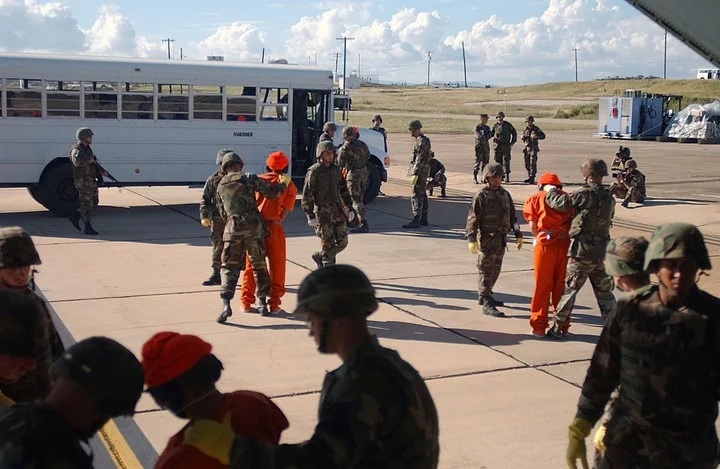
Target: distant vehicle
column 342, row 101
column 157, row 122
column 708, row 74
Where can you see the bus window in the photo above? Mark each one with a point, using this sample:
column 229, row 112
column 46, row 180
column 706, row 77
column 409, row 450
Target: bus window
column 173, row 101
column 101, row 100
column 63, row 98
column 273, row 104
column 137, row 100
column 240, row 105
column 207, row 102
column 24, row 97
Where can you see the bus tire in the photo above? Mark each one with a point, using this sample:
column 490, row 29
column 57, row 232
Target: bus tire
column 373, row 188
column 33, row 191
column 56, row 190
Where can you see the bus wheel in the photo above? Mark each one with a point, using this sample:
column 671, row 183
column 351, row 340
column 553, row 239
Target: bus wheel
column 56, row 191
column 33, row 191
column 373, row 188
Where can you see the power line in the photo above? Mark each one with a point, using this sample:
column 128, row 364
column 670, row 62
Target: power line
column 168, row 40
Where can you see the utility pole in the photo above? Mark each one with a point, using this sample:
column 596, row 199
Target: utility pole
column 181, row 54
column 464, row 63
column 315, row 58
column 168, row 40
column 358, row 64
column 665, row 58
column 576, row 51
column 429, row 59
column 337, row 57
column 262, row 58
column 344, row 40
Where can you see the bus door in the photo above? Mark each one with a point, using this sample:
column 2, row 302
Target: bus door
column 309, row 113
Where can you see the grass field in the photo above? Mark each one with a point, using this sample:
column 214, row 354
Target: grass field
column 556, row 106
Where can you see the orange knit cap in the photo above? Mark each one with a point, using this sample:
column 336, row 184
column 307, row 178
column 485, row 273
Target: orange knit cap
column 168, row 355
column 549, row 178
column 277, row 161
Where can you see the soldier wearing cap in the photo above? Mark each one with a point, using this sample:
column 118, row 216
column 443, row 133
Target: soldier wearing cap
column 594, row 208
column 83, row 161
column 94, row 380
column 504, row 137
column 180, row 373
column 327, row 204
column 273, row 212
column 531, row 135
column 490, row 218
column 377, row 127
column 245, row 230
column 353, row 157
column 375, row 410
column 419, row 171
column 210, row 217
column 661, row 346
column 482, row 146
column 17, row 258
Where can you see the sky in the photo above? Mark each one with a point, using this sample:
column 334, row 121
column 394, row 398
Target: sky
column 506, row 42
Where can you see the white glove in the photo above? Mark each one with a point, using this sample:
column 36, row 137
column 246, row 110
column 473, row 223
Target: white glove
column 549, row 187
column 313, row 222
column 351, row 215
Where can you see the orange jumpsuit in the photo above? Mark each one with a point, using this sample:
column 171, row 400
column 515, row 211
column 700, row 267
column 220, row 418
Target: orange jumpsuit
column 271, row 210
column 550, row 257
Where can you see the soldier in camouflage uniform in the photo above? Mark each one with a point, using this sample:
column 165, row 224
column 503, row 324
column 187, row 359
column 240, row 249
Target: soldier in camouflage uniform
column 375, row 409
column 419, row 170
column 325, row 200
column 22, row 324
column 17, row 258
column 436, row 176
column 328, row 134
column 490, row 218
column 95, row 380
column 630, row 184
column 83, row 161
column 482, row 146
column 210, row 218
column 530, row 137
column 245, row 230
column 353, row 158
column 661, row 346
column 504, row 137
column 594, row 209
column 377, row 127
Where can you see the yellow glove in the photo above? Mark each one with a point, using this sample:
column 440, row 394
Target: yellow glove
column 284, row 179
column 205, row 222
column 212, row 438
column 599, row 437
column 519, row 240
column 473, row 247
column 578, row 430
column 413, row 180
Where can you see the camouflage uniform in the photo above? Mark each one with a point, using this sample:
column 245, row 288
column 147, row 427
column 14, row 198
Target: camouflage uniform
column 354, row 156
column 637, row 192
column 326, row 196
column 589, row 233
column 420, row 167
column 531, row 148
column 482, row 149
column 504, row 137
column 217, row 223
column 490, row 218
column 84, row 177
column 436, row 176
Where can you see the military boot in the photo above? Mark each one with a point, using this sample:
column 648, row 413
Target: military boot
column 75, row 220
column 225, row 313
column 317, row 258
column 481, row 301
column 430, row 191
column 442, row 193
column 414, row 223
column 507, row 178
column 263, row 306
column 89, row 230
column 475, row 181
column 530, row 180
column 489, row 309
column 423, row 220
column 213, row 279
column 555, row 332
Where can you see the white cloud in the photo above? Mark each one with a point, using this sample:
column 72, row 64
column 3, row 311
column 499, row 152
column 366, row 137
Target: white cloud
column 238, row 41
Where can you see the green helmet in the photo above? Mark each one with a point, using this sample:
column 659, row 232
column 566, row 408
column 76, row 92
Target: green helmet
column 335, row 291
column 594, row 168
column 17, row 248
column 529, row 119
column 677, row 241
column 414, row 125
column 108, row 372
column 500, row 114
column 329, row 126
column 625, row 256
column 230, row 158
column 22, row 322
column 221, row 152
column 493, row 169
column 630, row 164
column 324, row 146
column 83, row 132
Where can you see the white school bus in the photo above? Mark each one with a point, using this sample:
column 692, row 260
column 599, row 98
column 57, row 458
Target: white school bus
column 158, row 122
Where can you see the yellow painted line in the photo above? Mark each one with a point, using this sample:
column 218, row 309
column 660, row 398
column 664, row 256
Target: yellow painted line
column 117, row 447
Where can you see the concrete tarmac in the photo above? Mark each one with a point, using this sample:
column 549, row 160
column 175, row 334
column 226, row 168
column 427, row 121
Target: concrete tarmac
column 504, row 398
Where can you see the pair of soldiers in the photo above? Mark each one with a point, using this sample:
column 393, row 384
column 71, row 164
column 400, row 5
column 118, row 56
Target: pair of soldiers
column 629, row 182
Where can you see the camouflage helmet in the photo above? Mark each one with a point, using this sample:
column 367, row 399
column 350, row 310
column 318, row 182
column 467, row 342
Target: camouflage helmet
column 500, row 114
column 493, row 169
column 221, row 152
column 677, row 241
column 349, row 131
column 329, row 126
column 594, row 168
column 108, row 372
column 630, row 164
column 17, row 248
column 414, row 125
column 529, row 119
column 377, row 118
column 625, row 256
column 324, row 146
column 336, row 291
column 22, row 321
column 83, row 132
column 230, row 158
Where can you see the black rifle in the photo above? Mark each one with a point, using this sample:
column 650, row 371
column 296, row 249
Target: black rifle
column 99, row 170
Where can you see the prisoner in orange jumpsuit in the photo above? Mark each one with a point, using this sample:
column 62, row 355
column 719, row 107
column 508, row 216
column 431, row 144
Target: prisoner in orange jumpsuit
column 273, row 212
column 550, row 228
